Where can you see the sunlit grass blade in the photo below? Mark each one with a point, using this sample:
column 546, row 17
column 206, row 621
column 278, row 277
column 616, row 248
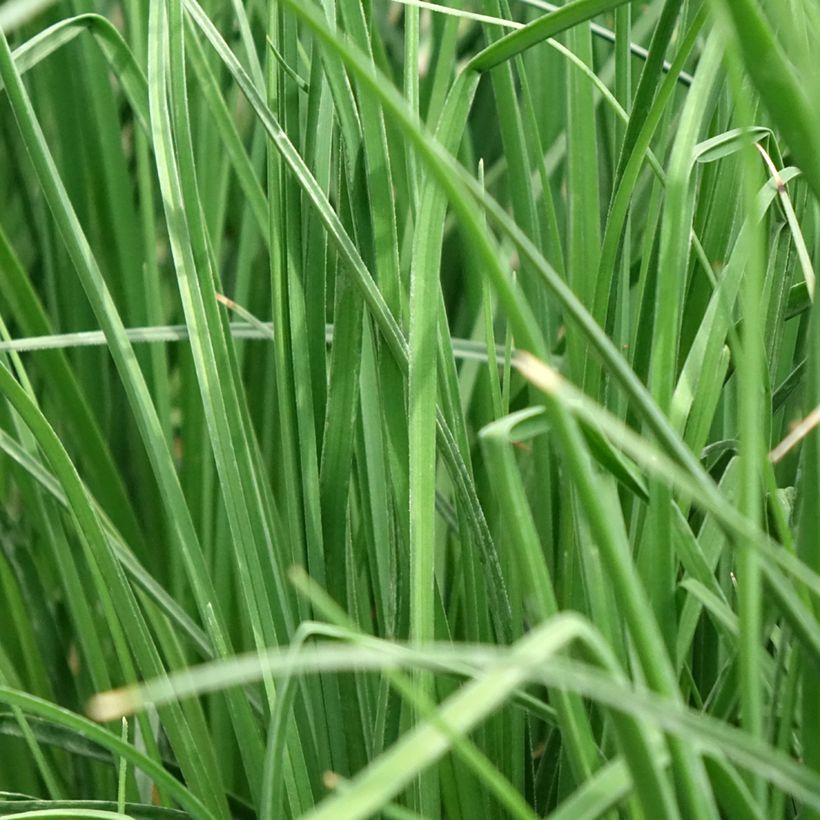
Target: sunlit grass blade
column 539, row 30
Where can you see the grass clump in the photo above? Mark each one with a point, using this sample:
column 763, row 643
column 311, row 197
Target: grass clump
column 409, row 409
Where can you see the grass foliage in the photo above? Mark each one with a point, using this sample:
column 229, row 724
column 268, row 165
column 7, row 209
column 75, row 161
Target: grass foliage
column 409, row 410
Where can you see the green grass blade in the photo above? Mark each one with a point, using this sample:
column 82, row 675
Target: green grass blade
column 539, row 30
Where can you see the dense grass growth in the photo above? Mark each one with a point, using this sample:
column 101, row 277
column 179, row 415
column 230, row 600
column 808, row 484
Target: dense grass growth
column 408, row 410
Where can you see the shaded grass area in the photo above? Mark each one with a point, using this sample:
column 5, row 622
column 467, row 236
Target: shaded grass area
column 409, row 409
